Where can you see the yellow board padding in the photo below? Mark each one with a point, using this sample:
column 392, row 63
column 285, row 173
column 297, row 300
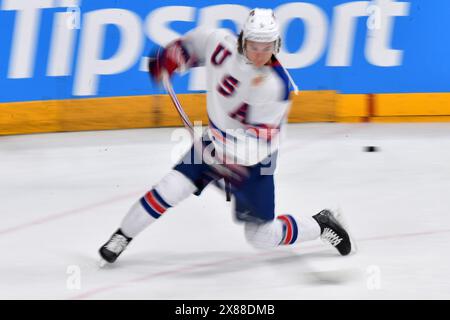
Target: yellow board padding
column 193, row 104
column 351, row 119
column 158, row 111
column 352, row 106
column 413, row 104
column 313, row 106
column 90, row 114
column 135, row 112
column 397, row 119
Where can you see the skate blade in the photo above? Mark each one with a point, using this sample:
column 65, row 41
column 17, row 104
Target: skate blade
column 339, row 217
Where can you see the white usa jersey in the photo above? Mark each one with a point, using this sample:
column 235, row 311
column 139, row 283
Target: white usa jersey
column 246, row 105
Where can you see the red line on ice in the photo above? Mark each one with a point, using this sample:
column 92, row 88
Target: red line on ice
column 93, row 292
column 65, row 214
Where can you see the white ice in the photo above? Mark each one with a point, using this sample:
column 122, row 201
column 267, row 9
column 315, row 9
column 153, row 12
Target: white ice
column 63, row 194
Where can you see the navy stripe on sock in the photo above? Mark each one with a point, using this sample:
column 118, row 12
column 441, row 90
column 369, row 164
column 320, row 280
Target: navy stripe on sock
column 294, row 229
column 160, row 199
column 147, row 208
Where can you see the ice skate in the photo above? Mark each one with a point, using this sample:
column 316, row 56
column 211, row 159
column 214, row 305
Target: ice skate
column 112, row 249
column 334, row 232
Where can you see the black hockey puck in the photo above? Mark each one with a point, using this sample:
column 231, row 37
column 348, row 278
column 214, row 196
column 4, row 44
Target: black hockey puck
column 371, row 149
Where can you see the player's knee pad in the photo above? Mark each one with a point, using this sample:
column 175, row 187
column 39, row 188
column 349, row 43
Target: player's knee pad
column 174, row 187
column 264, row 235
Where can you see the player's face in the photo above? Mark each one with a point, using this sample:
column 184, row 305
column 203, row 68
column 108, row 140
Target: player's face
column 259, row 53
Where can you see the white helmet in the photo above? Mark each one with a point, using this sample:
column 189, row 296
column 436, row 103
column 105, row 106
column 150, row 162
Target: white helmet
column 261, row 26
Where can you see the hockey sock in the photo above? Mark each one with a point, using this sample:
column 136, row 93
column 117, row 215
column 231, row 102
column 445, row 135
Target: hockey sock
column 296, row 229
column 143, row 213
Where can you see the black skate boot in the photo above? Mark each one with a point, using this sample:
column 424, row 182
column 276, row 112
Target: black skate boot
column 332, row 231
column 112, row 249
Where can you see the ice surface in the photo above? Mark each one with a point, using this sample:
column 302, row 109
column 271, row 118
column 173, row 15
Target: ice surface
column 63, row 194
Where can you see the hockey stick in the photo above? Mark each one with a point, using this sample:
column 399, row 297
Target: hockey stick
column 221, row 169
column 184, row 117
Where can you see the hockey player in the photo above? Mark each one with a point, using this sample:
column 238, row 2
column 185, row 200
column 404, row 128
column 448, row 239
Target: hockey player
column 247, row 103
